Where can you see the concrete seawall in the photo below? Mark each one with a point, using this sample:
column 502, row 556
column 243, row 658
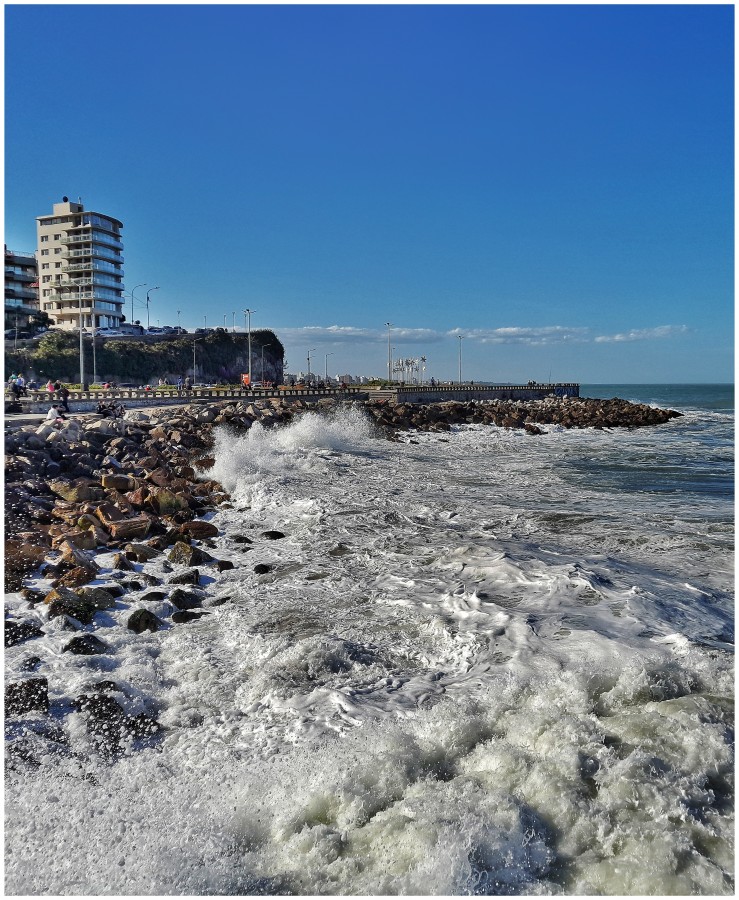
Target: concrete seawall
column 463, row 392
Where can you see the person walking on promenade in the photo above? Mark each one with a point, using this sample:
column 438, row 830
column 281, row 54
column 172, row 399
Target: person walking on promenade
column 188, row 383
column 64, row 397
column 50, row 386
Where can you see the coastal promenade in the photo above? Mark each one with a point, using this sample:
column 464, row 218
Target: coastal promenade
column 37, row 402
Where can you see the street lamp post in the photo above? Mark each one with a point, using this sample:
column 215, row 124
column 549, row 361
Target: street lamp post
column 194, row 342
column 147, row 304
column 460, row 336
column 247, row 321
column 233, row 323
column 133, row 314
column 309, row 353
column 326, row 372
column 178, row 320
column 94, row 358
column 389, row 353
column 82, row 350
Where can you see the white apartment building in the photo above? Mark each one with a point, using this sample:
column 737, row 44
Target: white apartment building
column 80, row 267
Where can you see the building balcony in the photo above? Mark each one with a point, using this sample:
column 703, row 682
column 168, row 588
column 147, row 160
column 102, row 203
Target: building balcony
column 13, row 274
column 92, row 237
column 21, row 293
column 19, row 258
column 94, row 251
column 92, row 267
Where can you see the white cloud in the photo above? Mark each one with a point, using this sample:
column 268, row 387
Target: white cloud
column 642, row 334
column 346, row 334
column 549, row 334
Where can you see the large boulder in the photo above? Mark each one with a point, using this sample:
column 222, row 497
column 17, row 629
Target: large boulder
column 199, row 529
column 186, row 555
column 27, row 696
column 85, row 645
column 21, row 559
column 143, row 620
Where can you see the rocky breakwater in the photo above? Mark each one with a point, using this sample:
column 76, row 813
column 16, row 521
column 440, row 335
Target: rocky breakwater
column 107, row 540
column 92, row 510
column 531, row 415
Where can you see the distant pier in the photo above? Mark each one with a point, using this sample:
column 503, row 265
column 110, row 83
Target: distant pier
column 415, row 393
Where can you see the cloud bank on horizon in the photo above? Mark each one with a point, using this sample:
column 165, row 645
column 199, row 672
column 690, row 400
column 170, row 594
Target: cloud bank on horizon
column 541, row 336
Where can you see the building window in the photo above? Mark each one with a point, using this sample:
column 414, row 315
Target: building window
column 44, row 238
column 57, row 249
column 57, row 237
column 44, row 265
column 44, row 252
column 56, row 265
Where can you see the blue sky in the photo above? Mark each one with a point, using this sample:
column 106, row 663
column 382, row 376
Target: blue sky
column 554, row 183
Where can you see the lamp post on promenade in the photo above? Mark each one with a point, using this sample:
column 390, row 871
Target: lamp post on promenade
column 133, row 314
column 247, row 322
column 423, row 370
column 94, row 358
column 233, row 323
column 194, row 342
column 178, row 320
column 147, row 304
column 389, row 353
column 82, row 349
column 326, row 372
column 309, row 353
column 460, row 336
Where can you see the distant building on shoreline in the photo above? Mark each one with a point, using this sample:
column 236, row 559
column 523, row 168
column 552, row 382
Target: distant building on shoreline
column 21, row 288
column 80, row 266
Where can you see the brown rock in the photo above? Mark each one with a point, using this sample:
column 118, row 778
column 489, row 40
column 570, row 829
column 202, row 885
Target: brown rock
column 164, row 502
column 199, row 529
column 119, row 482
column 186, row 555
column 121, row 562
column 75, row 491
column 21, row 559
column 81, row 539
column 109, row 514
column 76, row 577
column 135, row 527
column 98, row 597
column 140, row 552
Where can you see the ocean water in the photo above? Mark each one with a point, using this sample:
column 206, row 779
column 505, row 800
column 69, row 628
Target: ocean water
column 480, row 663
